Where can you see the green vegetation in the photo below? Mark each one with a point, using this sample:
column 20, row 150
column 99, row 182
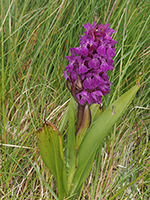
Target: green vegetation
column 35, row 37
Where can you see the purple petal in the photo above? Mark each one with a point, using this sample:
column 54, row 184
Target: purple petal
column 69, row 67
column 94, row 25
column 110, row 61
column 107, row 37
column 87, row 84
column 66, row 75
column 82, row 69
column 105, row 76
column 101, row 50
column 70, row 58
column 83, row 97
column 87, row 26
column 84, row 51
column 96, row 93
column 97, row 96
column 98, row 80
column 110, row 31
column 111, row 52
column 72, row 52
column 88, row 41
column 104, row 88
column 97, row 71
column 96, row 56
column 77, row 50
column 94, row 63
column 104, row 66
column 73, row 75
column 113, row 42
column 106, row 26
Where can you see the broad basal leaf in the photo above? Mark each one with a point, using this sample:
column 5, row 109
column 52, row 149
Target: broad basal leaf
column 51, row 150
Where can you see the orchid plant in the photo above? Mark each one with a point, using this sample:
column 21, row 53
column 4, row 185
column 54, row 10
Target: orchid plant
column 87, row 80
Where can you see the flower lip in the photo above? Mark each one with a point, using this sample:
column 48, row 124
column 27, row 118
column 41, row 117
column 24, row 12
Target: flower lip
column 89, row 63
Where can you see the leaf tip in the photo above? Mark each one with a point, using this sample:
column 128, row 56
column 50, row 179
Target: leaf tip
column 39, row 130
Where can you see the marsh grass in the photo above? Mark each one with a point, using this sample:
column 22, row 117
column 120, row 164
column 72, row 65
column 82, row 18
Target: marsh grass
column 35, row 37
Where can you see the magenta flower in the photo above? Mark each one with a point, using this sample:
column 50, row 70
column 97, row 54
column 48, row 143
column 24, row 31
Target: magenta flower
column 86, row 74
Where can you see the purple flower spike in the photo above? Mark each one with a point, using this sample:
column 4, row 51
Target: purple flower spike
column 89, row 63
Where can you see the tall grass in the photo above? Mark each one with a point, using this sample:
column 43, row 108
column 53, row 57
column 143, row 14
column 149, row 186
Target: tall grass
column 35, row 37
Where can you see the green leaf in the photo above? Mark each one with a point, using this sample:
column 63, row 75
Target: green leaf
column 51, row 150
column 71, row 148
column 95, row 135
column 63, row 122
column 96, row 111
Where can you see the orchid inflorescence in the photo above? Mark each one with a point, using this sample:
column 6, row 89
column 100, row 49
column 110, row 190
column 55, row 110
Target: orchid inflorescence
column 86, row 74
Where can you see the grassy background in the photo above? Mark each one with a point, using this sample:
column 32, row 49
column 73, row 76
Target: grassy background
column 35, row 37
